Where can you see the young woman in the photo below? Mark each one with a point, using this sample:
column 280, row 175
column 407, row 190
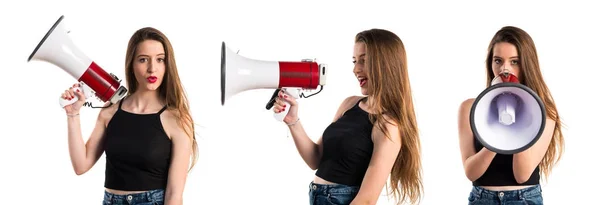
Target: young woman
column 148, row 136
column 514, row 179
column 370, row 137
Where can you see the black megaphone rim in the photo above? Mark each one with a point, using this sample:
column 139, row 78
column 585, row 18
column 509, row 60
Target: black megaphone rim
column 223, row 71
column 45, row 37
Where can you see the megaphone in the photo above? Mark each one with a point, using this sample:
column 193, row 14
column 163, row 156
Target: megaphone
column 507, row 117
column 239, row 74
column 58, row 49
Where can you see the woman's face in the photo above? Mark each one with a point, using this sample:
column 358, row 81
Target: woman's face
column 149, row 64
column 505, row 58
column 360, row 71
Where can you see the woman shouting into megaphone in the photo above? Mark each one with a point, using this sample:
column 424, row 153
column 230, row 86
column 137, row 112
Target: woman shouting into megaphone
column 511, row 178
column 371, row 138
column 148, row 137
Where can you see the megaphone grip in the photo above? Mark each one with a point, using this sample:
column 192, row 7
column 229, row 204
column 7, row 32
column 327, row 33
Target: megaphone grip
column 279, row 116
column 64, row 102
column 294, row 93
column 83, row 88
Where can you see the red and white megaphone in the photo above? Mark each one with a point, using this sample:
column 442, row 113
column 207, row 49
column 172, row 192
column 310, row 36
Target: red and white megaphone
column 507, row 117
column 240, row 74
column 58, row 49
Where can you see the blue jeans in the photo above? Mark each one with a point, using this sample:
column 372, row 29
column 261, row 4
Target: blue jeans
column 152, row 197
column 526, row 196
column 337, row 194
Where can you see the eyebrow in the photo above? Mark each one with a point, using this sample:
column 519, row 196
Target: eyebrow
column 144, row 55
column 517, row 57
column 361, row 55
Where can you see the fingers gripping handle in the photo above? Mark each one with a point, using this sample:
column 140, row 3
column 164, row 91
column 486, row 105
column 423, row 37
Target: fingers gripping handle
column 83, row 88
column 292, row 92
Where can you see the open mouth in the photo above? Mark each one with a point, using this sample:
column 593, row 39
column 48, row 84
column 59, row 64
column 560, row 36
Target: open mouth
column 362, row 81
column 152, row 79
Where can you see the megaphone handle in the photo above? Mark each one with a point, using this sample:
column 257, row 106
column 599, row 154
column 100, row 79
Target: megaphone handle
column 83, row 88
column 64, row 102
column 279, row 116
column 295, row 93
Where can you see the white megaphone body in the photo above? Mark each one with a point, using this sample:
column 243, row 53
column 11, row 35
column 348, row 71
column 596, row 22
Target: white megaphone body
column 58, row 49
column 507, row 117
column 240, row 74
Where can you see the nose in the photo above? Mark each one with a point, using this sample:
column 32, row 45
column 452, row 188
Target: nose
column 151, row 67
column 506, row 67
column 356, row 69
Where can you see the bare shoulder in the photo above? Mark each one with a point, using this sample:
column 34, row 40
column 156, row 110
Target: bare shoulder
column 464, row 126
column 107, row 112
column 350, row 101
column 465, row 106
column 346, row 105
column 170, row 120
column 392, row 129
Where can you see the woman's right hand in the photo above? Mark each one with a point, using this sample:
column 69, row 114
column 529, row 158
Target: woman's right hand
column 279, row 106
column 73, row 109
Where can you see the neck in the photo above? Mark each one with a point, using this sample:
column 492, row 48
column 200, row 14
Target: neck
column 143, row 100
column 370, row 107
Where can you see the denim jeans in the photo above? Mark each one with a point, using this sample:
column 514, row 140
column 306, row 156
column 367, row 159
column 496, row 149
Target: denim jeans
column 152, row 197
column 337, row 194
column 526, row 196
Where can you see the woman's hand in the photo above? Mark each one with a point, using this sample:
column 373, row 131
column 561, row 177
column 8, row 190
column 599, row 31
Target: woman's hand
column 279, row 106
column 73, row 109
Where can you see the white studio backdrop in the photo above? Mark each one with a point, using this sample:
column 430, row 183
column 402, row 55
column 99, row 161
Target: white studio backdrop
column 246, row 157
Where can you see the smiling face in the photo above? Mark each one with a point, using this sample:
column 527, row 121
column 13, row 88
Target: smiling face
column 358, row 58
column 149, row 64
column 505, row 58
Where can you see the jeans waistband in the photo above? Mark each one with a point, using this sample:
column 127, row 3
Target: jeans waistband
column 156, row 194
column 333, row 188
column 509, row 194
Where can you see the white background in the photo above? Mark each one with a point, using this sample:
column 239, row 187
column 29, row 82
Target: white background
column 245, row 155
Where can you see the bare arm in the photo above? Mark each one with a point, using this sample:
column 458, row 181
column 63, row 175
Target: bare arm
column 474, row 164
column 385, row 152
column 84, row 156
column 180, row 161
column 524, row 163
column 309, row 151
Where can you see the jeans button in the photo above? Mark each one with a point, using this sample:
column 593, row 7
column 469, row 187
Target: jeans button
column 314, row 187
column 129, row 197
column 501, row 194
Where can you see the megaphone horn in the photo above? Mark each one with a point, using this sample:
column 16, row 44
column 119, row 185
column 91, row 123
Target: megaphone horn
column 240, row 74
column 58, row 49
column 507, row 117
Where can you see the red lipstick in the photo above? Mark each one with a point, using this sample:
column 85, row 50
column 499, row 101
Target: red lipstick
column 152, row 79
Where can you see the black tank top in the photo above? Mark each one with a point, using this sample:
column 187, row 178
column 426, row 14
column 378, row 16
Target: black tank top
column 347, row 148
column 138, row 152
column 500, row 171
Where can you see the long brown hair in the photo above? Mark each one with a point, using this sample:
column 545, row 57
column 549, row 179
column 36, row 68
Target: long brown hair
column 530, row 76
column 390, row 94
column 170, row 89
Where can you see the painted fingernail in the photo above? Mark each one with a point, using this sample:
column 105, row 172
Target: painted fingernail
column 285, row 96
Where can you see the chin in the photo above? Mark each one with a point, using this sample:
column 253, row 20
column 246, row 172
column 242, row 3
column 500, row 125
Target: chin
column 363, row 91
column 152, row 87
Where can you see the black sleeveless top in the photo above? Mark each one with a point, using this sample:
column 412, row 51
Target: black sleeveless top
column 347, row 148
column 138, row 152
column 500, row 171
